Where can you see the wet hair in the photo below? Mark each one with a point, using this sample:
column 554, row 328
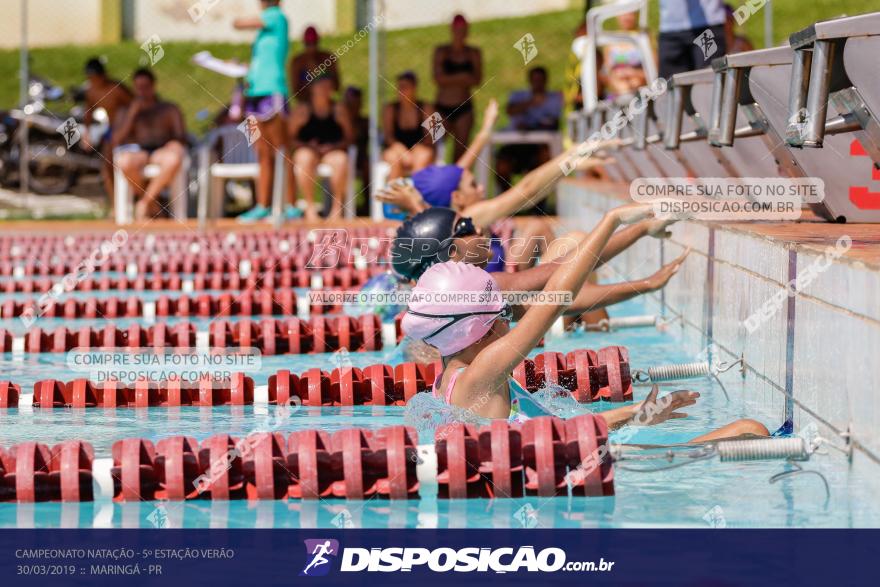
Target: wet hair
column 95, row 67
column 144, row 72
column 409, row 76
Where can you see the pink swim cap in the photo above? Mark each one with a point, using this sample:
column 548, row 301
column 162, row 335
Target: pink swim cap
column 452, row 306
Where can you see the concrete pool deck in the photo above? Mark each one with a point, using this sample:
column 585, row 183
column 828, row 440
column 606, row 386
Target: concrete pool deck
column 811, row 357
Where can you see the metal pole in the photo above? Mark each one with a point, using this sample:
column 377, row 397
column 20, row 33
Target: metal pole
column 372, row 11
column 24, row 72
column 768, row 24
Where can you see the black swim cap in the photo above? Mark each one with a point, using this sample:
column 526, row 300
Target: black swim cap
column 422, row 241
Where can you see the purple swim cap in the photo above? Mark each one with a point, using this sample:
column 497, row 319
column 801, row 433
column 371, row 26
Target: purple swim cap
column 437, row 182
column 452, row 306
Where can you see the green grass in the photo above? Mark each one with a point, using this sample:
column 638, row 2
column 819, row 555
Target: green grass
column 196, row 89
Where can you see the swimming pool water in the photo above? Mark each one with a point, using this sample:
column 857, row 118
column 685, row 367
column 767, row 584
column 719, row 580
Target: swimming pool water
column 699, row 494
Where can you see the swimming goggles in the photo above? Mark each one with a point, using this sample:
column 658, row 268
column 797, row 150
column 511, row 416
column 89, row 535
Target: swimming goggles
column 463, row 227
column 505, row 313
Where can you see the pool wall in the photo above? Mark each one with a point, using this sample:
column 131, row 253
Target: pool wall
column 815, row 359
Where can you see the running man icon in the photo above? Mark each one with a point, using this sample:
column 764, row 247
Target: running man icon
column 319, row 551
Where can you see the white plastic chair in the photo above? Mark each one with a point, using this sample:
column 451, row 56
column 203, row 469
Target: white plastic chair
column 124, row 199
column 236, row 161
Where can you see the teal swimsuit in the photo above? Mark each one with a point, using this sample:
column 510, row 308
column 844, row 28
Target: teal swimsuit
column 522, row 405
column 267, row 75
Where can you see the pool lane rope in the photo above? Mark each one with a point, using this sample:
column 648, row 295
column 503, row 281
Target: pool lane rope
column 586, row 374
column 543, row 457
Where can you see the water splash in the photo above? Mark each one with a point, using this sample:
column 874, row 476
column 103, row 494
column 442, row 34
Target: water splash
column 426, row 413
column 558, row 401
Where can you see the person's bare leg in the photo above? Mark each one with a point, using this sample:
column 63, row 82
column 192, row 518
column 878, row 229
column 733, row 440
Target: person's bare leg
column 305, row 161
column 266, row 175
column 273, row 136
column 169, row 159
column 132, row 166
column 338, row 162
column 107, row 174
column 291, row 177
column 741, row 428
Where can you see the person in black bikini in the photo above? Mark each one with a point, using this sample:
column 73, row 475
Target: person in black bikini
column 322, row 132
column 458, row 67
column 408, row 146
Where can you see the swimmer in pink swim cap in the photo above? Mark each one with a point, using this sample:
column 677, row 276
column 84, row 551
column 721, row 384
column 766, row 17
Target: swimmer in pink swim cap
column 459, row 309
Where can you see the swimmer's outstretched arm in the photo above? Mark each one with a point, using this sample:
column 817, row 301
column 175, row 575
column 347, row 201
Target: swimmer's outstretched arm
column 535, row 278
column 490, row 117
column 532, row 189
column 494, row 363
column 593, row 297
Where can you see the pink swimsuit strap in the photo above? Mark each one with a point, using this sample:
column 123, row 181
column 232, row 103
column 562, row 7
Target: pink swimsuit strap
column 436, row 389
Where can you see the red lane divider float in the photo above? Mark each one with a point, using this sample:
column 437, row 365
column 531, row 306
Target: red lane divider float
column 310, row 464
column 81, row 393
column 581, row 372
column 31, row 472
column 376, row 385
column 319, row 334
column 264, row 241
column 59, row 265
column 589, row 375
column 546, row 456
column 281, row 302
column 343, row 277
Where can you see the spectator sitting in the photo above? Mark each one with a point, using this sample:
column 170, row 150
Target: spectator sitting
column 149, row 131
column 112, row 96
column 408, row 146
column 310, row 65
column 532, row 109
column 621, row 72
column 322, row 131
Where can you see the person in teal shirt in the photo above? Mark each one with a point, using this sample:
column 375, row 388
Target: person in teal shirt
column 266, row 106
